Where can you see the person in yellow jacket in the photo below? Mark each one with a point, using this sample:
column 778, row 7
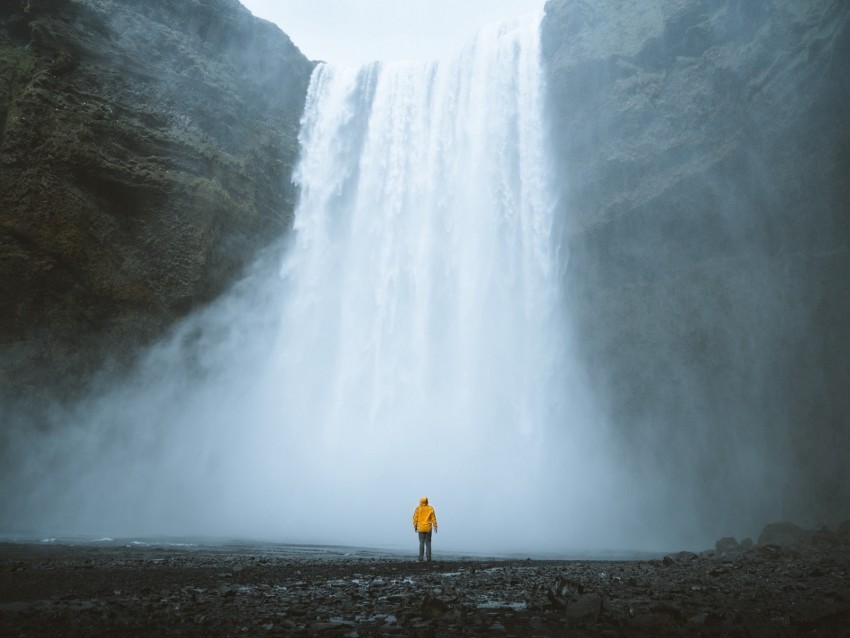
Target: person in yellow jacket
column 424, row 519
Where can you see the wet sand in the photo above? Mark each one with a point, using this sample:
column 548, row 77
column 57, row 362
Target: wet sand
column 137, row 590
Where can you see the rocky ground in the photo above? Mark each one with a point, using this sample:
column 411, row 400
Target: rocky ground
column 132, row 589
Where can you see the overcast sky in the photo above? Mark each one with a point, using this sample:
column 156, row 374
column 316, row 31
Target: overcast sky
column 358, row 31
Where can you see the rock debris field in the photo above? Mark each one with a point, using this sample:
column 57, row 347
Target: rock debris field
column 739, row 589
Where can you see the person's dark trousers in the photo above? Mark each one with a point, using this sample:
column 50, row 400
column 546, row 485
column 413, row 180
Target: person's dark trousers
column 425, row 544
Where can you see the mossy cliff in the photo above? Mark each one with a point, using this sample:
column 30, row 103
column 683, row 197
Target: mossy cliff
column 704, row 150
column 146, row 150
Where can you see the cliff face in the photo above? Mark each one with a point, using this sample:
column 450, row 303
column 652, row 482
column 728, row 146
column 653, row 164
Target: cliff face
column 705, row 155
column 146, row 149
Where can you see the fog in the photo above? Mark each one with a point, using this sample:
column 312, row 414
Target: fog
column 455, row 315
column 407, row 339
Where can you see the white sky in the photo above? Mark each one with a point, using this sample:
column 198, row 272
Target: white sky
column 357, row 31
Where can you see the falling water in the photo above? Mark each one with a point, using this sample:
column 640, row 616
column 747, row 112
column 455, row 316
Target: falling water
column 413, row 343
column 423, row 332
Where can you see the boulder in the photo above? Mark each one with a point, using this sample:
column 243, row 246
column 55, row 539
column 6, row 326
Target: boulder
column 727, row 545
column 784, row 534
column 685, row 556
column 844, row 532
column 586, row 607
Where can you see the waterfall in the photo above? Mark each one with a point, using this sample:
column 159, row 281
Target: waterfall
column 423, row 331
column 414, row 342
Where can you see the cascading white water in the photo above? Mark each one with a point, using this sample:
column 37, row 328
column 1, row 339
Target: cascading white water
column 414, row 343
column 423, row 330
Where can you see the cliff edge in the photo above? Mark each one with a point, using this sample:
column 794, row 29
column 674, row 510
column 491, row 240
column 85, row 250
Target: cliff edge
column 146, row 151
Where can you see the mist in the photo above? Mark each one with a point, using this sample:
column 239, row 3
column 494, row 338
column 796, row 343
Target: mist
column 410, row 341
column 513, row 287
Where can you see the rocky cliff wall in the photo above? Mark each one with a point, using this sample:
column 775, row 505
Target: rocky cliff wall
column 704, row 155
column 146, row 149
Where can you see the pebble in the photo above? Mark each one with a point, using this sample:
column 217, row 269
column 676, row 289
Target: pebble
column 687, row 594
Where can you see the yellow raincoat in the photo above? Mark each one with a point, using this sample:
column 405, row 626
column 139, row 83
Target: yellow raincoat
column 424, row 517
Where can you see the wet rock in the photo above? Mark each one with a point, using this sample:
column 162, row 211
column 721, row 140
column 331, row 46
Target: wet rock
column 727, row 545
column 824, row 538
column 586, row 607
column 433, row 607
column 685, row 556
column 784, row 534
column 563, row 591
column 312, row 597
column 769, row 551
column 657, row 622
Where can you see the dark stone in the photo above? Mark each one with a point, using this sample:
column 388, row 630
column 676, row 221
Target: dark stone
column 784, row 534
column 824, row 538
column 433, row 607
column 685, row 556
column 666, row 608
column 586, row 607
column 566, row 587
column 657, row 621
column 727, row 545
column 770, row 551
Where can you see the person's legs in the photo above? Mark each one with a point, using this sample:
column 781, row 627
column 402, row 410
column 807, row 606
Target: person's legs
column 428, row 545
column 421, row 544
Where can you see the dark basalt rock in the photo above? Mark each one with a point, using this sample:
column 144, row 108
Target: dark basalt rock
column 727, row 545
column 785, row 534
column 146, row 150
column 118, row 590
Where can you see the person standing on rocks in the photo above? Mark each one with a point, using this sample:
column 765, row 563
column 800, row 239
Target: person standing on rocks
column 424, row 518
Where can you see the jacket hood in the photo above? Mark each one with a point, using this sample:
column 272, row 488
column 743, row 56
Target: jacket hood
column 423, row 500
